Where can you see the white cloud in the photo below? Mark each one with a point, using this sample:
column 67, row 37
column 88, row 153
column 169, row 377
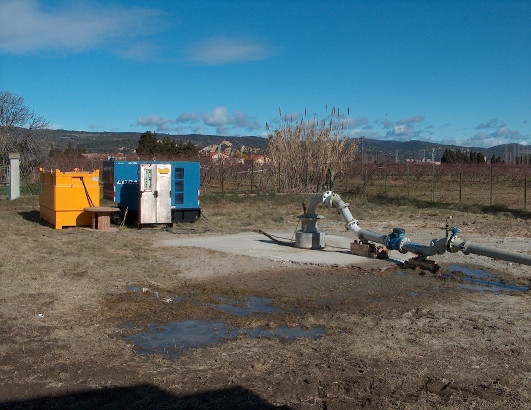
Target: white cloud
column 482, row 140
column 155, row 121
column 220, row 119
column 224, row 50
column 492, row 123
column 502, row 135
column 189, row 117
column 27, row 27
column 507, row 133
column 404, row 129
column 241, row 120
column 400, row 130
column 217, row 117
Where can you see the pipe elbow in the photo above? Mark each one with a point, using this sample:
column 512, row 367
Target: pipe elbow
column 327, row 198
column 353, row 226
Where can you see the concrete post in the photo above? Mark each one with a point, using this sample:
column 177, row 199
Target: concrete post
column 14, row 176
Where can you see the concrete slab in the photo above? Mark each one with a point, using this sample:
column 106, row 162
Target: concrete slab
column 336, row 252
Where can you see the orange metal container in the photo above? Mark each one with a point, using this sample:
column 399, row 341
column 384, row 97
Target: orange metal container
column 65, row 195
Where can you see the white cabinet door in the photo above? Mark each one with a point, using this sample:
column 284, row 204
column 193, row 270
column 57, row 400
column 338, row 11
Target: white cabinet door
column 154, row 184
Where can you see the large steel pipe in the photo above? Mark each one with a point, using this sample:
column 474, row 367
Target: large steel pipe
column 437, row 247
column 404, row 245
column 469, row 247
column 376, row 237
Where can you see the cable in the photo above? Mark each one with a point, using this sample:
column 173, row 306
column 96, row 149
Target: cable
column 91, row 204
column 274, row 239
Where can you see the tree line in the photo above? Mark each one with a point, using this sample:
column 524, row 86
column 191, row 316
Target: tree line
column 149, row 146
column 459, row 157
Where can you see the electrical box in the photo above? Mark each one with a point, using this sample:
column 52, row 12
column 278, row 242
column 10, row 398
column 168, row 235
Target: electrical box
column 154, row 194
column 120, row 184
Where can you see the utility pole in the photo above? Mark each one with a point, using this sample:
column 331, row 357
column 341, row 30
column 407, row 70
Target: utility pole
column 14, row 176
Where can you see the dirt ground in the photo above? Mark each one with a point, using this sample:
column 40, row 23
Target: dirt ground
column 74, row 305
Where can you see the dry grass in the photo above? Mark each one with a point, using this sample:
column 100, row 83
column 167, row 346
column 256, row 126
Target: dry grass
column 65, row 294
column 35, row 254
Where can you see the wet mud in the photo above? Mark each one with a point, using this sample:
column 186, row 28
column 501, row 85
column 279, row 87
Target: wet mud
column 272, row 335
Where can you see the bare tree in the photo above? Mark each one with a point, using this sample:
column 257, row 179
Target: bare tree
column 18, row 125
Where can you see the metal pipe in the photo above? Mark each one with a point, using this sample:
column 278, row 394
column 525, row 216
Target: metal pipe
column 401, row 243
column 334, row 200
column 313, row 203
column 364, row 234
column 469, row 247
column 437, row 247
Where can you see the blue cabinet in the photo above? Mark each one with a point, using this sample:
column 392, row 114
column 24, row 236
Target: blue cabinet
column 120, row 184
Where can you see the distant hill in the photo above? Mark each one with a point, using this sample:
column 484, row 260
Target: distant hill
column 373, row 150
column 112, row 142
column 419, row 150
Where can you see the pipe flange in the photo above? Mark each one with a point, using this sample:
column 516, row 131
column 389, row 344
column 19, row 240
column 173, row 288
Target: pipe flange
column 353, row 222
column 401, row 245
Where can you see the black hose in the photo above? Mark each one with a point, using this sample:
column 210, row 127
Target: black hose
column 274, row 239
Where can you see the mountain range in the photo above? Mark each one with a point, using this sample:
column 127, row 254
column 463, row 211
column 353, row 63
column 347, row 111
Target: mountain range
column 378, row 150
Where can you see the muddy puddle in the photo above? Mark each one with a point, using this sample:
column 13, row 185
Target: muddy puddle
column 250, row 305
column 481, row 281
column 473, row 280
column 175, row 337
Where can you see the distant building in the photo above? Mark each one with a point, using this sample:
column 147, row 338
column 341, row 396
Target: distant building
column 260, row 159
column 216, row 156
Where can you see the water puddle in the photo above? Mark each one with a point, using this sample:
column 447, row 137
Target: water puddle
column 249, row 306
column 174, row 338
column 482, row 281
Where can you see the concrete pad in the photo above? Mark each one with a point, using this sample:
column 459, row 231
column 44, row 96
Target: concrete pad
column 336, row 252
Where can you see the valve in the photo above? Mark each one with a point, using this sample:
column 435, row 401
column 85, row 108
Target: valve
column 451, row 240
column 394, row 240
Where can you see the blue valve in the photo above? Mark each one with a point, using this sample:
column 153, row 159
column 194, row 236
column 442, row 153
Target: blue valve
column 394, row 239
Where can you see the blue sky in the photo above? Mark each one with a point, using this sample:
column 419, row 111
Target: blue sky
column 455, row 72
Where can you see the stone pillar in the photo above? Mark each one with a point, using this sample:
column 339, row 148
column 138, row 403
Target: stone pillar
column 14, row 176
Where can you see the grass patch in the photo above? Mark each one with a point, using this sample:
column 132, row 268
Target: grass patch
column 461, row 207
